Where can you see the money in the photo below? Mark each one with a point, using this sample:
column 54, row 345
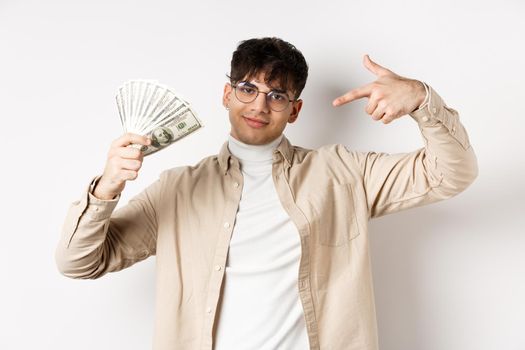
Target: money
column 148, row 108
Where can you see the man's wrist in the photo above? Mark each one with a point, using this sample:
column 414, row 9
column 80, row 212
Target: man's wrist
column 99, row 192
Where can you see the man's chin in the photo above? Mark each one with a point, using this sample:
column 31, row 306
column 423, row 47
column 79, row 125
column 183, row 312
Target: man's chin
column 254, row 140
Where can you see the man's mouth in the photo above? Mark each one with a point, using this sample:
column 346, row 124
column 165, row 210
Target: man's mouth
column 254, row 122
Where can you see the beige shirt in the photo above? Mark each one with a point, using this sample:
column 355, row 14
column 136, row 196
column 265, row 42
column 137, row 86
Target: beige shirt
column 187, row 216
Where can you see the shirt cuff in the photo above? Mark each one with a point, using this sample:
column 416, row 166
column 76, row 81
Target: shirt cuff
column 435, row 111
column 431, row 111
column 427, row 96
column 99, row 208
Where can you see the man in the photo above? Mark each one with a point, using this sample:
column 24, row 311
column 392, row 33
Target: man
column 265, row 245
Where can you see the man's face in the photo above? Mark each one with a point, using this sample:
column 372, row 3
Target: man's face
column 255, row 123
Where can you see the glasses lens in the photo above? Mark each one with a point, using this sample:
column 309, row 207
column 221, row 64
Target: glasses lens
column 245, row 93
column 277, row 101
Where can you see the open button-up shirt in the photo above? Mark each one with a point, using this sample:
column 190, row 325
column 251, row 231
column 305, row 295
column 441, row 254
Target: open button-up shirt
column 187, row 216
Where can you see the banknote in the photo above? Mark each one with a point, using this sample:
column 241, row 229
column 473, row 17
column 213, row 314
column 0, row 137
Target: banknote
column 184, row 123
column 149, row 108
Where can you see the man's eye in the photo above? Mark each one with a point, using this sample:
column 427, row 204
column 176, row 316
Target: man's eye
column 247, row 90
column 278, row 97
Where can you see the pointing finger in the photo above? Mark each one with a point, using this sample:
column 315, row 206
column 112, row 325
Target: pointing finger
column 353, row 95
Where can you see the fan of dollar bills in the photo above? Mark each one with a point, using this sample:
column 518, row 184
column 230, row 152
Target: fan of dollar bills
column 152, row 109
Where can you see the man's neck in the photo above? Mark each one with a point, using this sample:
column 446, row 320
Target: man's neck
column 253, row 153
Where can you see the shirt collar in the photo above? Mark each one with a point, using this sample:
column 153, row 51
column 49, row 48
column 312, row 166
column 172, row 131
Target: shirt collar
column 284, row 149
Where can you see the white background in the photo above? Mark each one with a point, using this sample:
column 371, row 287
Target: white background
column 447, row 276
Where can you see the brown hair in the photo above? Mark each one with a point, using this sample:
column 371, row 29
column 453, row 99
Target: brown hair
column 282, row 63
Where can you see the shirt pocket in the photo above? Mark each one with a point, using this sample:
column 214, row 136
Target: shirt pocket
column 332, row 215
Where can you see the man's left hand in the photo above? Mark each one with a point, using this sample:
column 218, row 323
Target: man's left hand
column 389, row 97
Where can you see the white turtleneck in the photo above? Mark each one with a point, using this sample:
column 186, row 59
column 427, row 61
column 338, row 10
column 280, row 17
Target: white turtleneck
column 261, row 309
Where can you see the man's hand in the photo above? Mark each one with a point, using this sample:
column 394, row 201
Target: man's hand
column 123, row 164
column 389, row 97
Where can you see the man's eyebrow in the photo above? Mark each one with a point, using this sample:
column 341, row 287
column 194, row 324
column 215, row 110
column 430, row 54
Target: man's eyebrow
column 279, row 90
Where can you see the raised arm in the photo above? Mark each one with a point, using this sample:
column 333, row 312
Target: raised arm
column 444, row 167
column 94, row 239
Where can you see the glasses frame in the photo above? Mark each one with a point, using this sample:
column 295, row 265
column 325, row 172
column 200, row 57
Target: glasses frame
column 234, row 86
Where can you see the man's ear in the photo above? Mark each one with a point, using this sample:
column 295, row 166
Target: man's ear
column 227, row 95
column 296, row 107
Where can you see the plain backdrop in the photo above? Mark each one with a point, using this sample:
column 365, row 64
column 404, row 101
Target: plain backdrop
column 447, row 276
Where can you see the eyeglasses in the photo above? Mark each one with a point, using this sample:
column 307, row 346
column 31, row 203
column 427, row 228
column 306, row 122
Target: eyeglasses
column 246, row 93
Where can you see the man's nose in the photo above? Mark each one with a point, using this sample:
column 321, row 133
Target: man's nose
column 260, row 103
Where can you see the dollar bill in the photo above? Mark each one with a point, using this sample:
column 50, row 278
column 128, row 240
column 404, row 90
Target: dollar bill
column 184, row 123
column 148, row 108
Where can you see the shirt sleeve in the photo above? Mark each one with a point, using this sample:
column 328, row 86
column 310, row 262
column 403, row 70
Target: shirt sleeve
column 97, row 239
column 444, row 167
column 427, row 96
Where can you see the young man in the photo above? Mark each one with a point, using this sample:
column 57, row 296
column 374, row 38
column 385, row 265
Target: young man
column 265, row 245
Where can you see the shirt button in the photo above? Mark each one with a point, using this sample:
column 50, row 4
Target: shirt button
column 302, row 284
column 226, row 225
column 218, row 267
column 96, row 208
column 434, row 110
column 235, row 184
column 425, row 119
column 208, row 310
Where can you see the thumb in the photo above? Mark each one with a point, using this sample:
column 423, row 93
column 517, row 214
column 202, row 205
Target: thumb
column 375, row 68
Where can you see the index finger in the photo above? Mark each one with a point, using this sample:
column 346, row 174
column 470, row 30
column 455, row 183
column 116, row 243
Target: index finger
column 131, row 138
column 352, row 95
